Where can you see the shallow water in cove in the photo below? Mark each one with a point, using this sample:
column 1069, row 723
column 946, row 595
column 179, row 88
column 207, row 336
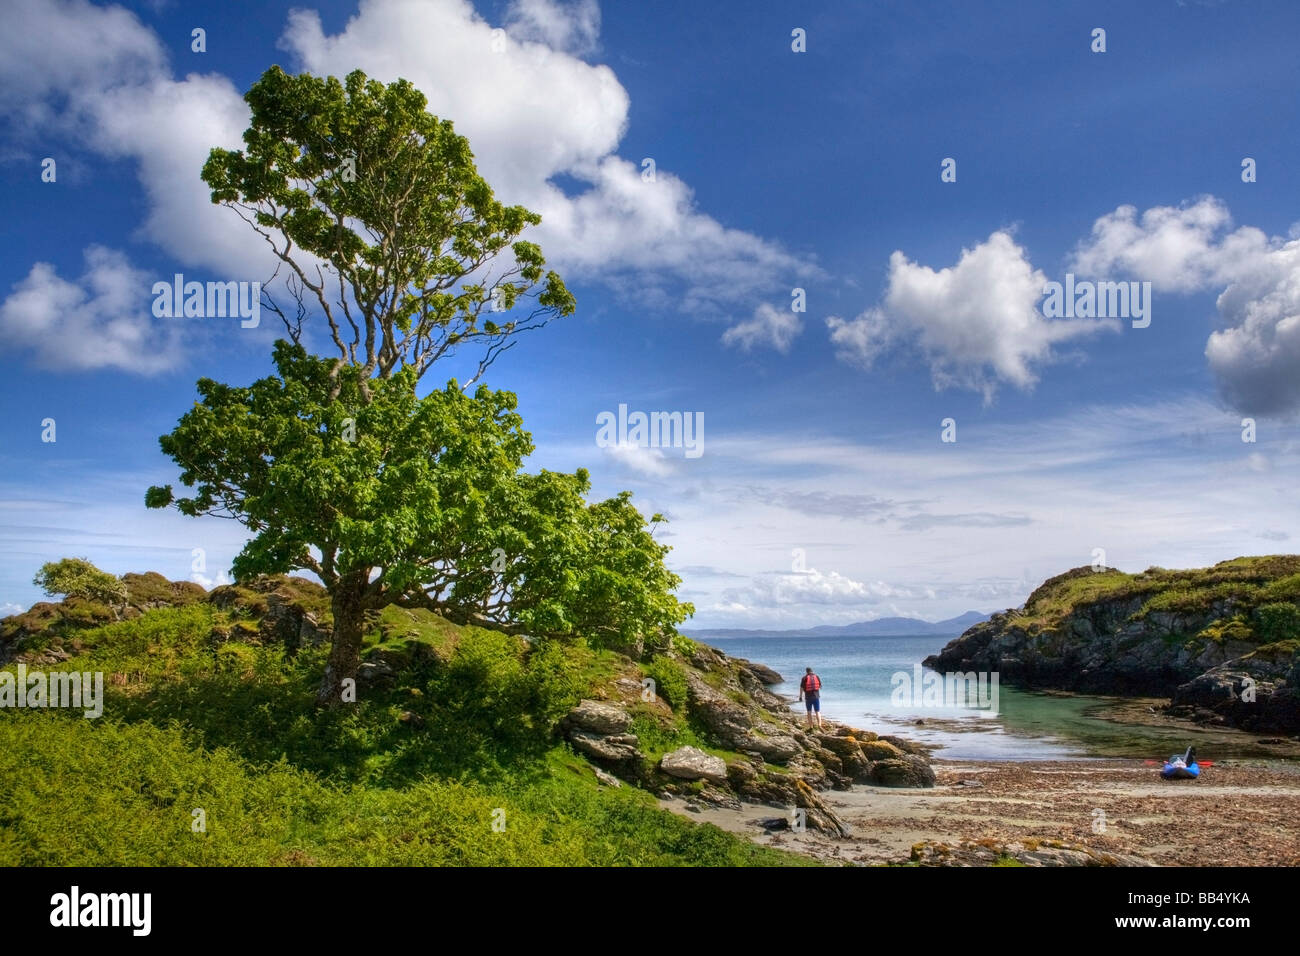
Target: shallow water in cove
column 857, row 688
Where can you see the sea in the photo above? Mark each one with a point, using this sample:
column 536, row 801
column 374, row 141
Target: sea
column 862, row 687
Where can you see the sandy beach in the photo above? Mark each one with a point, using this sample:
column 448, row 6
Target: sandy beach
column 1239, row 813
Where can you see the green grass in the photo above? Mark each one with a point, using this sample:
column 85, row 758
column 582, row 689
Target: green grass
column 659, row 737
column 670, row 680
column 1279, row 650
column 79, row 792
column 1244, row 582
column 1235, row 628
column 1194, row 600
column 199, row 713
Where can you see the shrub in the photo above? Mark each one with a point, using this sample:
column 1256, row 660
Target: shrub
column 670, row 680
column 684, row 645
column 497, row 684
column 1277, row 622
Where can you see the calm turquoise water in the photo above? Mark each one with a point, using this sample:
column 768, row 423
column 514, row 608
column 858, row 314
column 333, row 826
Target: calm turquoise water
column 858, row 688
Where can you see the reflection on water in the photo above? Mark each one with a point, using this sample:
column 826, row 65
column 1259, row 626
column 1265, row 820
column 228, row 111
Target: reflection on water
column 859, row 684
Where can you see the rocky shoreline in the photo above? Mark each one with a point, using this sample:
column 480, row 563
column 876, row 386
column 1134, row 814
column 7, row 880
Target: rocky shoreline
column 770, row 760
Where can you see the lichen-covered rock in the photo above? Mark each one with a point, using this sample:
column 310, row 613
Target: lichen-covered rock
column 907, row 746
column 819, row 816
column 846, row 746
column 881, row 750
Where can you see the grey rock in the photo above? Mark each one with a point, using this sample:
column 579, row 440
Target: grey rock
column 613, row 747
column 691, row 763
column 906, row 771
column 374, row 670
column 598, row 717
column 776, row 749
column 765, row 674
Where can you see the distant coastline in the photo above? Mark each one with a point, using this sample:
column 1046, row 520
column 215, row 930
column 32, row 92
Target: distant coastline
column 881, row 627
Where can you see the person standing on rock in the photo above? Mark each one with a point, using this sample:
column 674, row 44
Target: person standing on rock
column 810, row 692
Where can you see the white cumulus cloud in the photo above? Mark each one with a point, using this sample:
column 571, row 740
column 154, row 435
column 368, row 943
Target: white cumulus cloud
column 650, row 462
column 976, row 323
column 102, row 320
column 808, row 587
column 533, row 112
column 1255, row 356
column 1177, row 249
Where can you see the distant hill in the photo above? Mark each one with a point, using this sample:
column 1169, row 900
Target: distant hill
column 881, row 627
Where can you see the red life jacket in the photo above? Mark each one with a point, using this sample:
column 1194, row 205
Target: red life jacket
column 812, row 684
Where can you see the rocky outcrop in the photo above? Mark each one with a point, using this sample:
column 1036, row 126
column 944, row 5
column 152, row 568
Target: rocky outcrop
column 1259, row 692
column 762, row 672
column 906, row 771
column 288, row 623
column 773, row 761
column 279, row 609
column 612, row 748
column 739, row 726
column 1198, row 637
column 54, row 624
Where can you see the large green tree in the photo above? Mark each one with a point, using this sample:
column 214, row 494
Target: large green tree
column 414, row 501
column 337, row 464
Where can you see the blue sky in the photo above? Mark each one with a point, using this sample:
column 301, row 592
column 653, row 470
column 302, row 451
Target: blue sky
column 824, row 493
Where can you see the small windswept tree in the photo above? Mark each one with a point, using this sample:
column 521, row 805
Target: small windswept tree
column 78, row 578
column 336, row 464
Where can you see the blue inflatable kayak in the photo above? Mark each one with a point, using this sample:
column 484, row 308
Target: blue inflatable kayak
column 1172, row 772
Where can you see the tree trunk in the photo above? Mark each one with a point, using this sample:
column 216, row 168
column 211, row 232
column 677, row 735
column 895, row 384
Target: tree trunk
column 339, row 685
